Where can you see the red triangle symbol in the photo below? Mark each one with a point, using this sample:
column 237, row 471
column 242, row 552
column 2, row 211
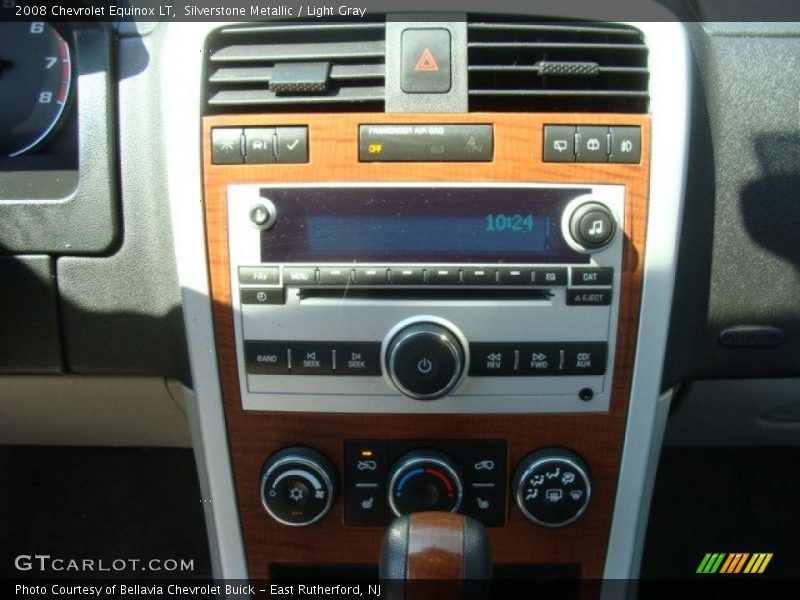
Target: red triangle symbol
column 426, row 62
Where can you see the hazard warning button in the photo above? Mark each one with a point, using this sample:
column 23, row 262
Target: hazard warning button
column 426, row 61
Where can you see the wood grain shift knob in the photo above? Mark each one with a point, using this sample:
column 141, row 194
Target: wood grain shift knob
column 436, row 555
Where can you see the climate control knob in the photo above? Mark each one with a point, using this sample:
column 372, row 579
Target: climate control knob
column 423, row 481
column 552, row 487
column 425, row 360
column 298, row 486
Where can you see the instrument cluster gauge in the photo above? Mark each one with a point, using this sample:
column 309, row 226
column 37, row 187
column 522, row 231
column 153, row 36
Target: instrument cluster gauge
column 35, row 82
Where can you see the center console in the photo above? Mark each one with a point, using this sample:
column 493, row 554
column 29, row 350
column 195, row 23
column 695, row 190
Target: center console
column 396, row 336
column 441, row 309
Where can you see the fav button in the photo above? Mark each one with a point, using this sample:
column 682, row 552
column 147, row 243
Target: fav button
column 258, row 276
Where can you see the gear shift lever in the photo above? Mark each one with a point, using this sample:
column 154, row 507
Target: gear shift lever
column 431, row 554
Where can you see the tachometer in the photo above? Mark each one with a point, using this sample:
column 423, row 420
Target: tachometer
column 35, row 75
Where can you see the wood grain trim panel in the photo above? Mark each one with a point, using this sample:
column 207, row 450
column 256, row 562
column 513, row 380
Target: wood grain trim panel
column 253, row 436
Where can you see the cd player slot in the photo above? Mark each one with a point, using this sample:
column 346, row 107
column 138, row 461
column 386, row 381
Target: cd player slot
column 427, row 294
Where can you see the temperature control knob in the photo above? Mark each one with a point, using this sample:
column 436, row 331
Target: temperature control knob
column 423, row 481
column 298, row 486
column 425, row 360
column 552, row 487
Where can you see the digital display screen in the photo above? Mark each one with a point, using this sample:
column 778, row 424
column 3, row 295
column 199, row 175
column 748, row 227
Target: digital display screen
column 466, row 225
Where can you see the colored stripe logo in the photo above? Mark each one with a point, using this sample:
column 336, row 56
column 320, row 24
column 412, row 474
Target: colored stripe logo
column 735, row 562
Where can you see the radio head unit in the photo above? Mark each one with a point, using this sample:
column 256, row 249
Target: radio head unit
column 422, row 298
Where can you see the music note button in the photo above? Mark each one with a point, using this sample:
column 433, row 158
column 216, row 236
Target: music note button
column 592, row 225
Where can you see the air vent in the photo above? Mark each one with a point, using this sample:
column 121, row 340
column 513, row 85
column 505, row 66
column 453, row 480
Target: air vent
column 296, row 66
column 569, row 67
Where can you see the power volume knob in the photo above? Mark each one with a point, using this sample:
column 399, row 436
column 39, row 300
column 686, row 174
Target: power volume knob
column 425, row 360
column 298, row 486
column 592, row 225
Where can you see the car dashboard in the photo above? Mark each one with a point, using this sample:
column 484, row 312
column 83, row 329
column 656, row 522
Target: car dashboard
column 375, row 265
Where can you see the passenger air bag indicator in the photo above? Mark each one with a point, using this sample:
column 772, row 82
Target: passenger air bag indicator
column 426, row 142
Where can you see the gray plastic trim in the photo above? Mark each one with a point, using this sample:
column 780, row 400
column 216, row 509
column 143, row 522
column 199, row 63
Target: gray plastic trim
column 180, row 95
column 670, row 92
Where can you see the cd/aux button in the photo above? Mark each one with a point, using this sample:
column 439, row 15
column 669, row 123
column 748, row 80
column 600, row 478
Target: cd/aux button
column 585, row 358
